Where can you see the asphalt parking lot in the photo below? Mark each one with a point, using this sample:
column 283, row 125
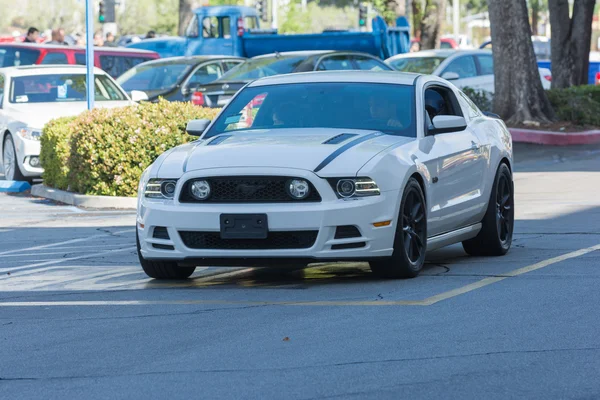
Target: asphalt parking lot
column 79, row 319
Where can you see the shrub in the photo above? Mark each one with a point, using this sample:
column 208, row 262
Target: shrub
column 108, row 149
column 578, row 104
column 56, row 150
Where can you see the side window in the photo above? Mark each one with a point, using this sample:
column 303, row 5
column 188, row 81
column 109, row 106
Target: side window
column 463, row 66
column 369, row 64
column 245, row 119
column 226, row 27
column 250, row 23
column 55, row 58
column 486, row 65
column 192, row 28
column 129, row 62
column 1, row 90
column 205, row 74
column 334, row 63
column 210, row 27
column 440, row 101
column 80, row 59
column 109, row 65
column 231, row 64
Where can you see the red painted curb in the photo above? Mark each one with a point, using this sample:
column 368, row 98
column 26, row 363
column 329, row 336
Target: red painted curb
column 554, row 138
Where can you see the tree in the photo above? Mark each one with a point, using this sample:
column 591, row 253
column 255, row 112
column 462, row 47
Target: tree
column 427, row 18
column 571, row 40
column 518, row 96
column 185, row 15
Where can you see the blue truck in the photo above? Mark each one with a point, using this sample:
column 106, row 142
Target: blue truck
column 235, row 31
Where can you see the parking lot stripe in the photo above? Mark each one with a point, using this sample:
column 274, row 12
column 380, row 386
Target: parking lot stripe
column 62, row 260
column 45, row 246
column 488, row 281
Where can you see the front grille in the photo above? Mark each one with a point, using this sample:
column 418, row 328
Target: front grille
column 346, row 232
column 247, row 189
column 160, row 232
column 274, row 241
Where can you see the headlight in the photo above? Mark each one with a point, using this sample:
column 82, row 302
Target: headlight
column 160, row 188
column 30, row 134
column 298, row 189
column 355, row 187
column 200, row 190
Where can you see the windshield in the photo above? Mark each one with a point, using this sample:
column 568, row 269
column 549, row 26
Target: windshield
column 370, row 106
column 153, row 76
column 265, row 66
column 61, row 88
column 14, row 57
column 420, row 65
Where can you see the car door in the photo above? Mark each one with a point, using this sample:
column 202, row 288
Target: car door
column 216, row 36
column 203, row 74
column 464, row 70
column 335, row 63
column 485, row 71
column 456, row 165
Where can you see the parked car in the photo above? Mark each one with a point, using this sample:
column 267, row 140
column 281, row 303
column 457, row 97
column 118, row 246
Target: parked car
column 465, row 68
column 219, row 92
column 30, row 96
column 445, row 43
column 352, row 165
column 114, row 61
column 174, row 78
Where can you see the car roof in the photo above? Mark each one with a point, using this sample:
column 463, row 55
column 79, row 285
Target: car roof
column 440, row 53
column 39, row 46
column 192, row 60
column 393, row 77
column 28, row 70
column 309, row 53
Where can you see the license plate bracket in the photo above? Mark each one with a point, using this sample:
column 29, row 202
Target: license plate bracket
column 244, row 226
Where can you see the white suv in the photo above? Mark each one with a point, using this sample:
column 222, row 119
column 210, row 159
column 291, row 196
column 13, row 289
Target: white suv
column 33, row 95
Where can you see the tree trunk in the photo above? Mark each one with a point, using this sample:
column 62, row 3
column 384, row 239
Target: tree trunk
column 431, row 24
column 416, row 16
column 519, row 96
column 571, row 41
column 185, row 15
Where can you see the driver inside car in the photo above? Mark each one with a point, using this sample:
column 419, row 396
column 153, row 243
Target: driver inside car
column 384, row 111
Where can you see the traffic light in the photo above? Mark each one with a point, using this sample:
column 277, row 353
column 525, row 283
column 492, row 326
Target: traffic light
column 101, row 12
column 106, row 11
column 261, row 9
column 362, row 15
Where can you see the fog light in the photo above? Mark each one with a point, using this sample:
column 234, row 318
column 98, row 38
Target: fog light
column 34, row 161
column 200, row 190
column 298, row 189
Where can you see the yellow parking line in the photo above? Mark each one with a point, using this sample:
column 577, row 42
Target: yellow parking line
column 426, row 302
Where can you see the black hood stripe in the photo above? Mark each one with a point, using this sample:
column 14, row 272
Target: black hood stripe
column 345, row 147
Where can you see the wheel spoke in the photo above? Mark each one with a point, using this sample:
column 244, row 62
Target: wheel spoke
column 416, row 211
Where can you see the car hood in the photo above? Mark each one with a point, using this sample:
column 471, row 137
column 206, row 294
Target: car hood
column 313, row 149
column 39, row 114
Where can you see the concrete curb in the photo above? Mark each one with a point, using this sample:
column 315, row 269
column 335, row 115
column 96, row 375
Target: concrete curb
column 555, row 138
column 81, row 200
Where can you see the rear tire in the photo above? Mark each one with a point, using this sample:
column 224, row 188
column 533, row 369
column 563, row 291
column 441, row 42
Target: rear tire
column 162, row 269
column 495, row 237
column 410, row 240
column 10, row 165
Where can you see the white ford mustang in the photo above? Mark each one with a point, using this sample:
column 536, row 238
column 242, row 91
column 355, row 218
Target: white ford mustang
column 371, row 166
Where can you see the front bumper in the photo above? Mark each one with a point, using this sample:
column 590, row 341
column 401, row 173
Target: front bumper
column 323, row 217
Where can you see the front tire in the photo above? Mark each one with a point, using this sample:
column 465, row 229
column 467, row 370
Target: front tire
column 162, row 269
column 10, row 165
column 410, row 240
column 495, row 237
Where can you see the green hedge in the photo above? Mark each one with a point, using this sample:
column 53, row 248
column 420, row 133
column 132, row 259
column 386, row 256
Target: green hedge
column 578, row 104
column 104, row 151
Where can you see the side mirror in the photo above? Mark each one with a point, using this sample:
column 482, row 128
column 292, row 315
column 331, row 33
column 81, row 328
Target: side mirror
column 448, row 123
column 197, row 127
column 138, row 95
column 450, row 76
